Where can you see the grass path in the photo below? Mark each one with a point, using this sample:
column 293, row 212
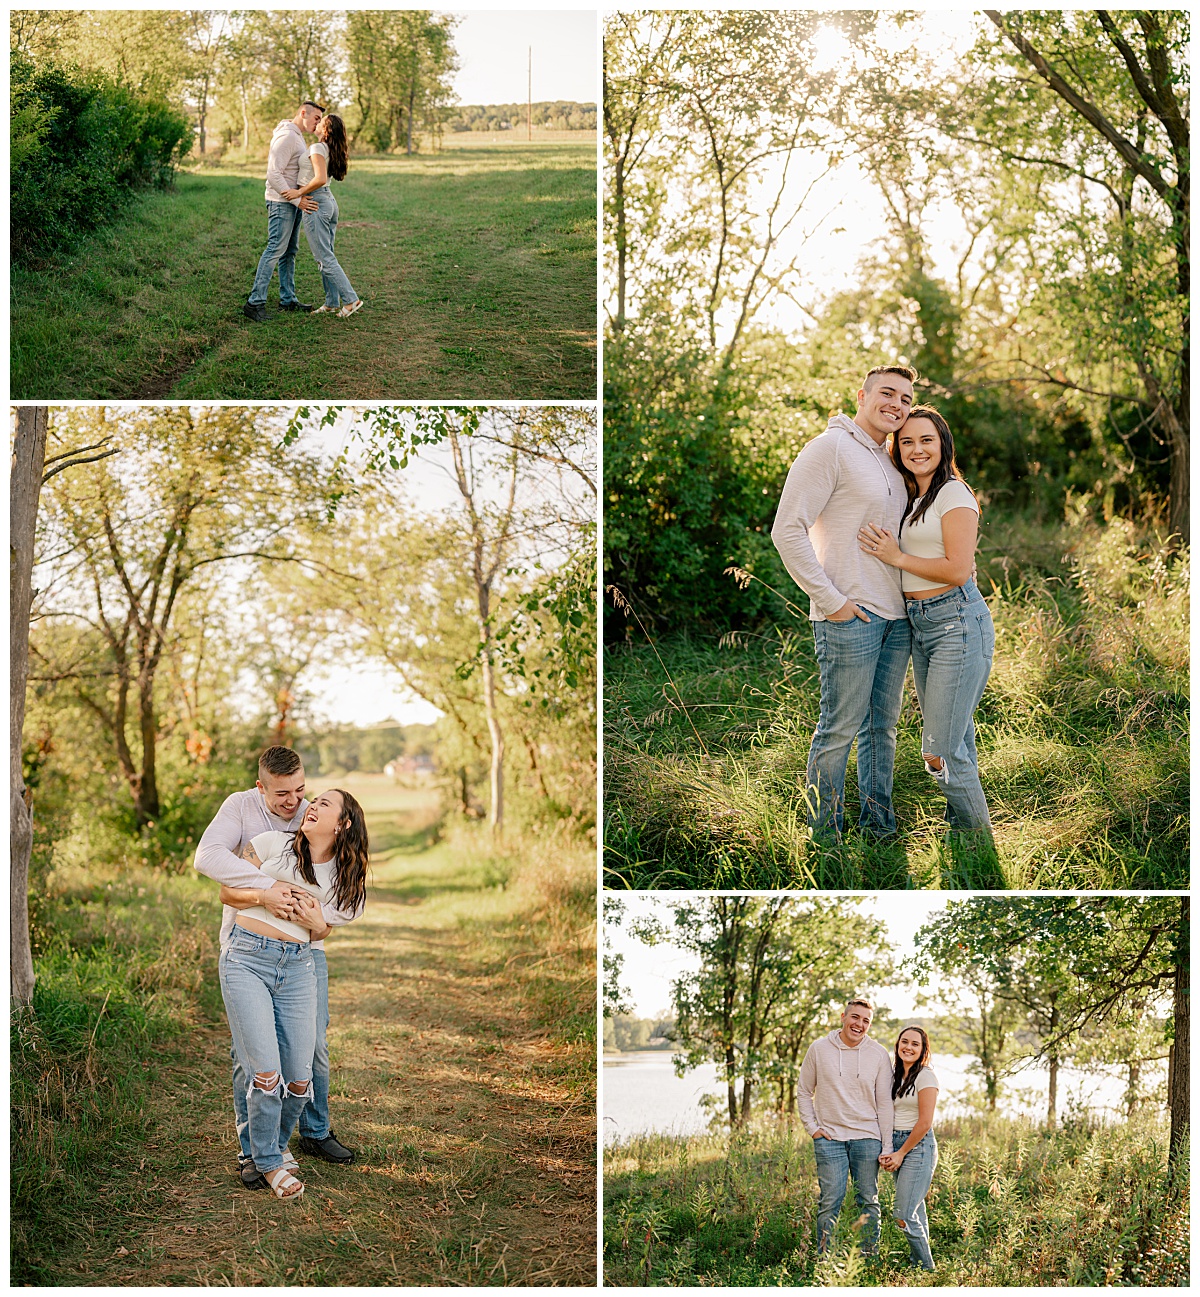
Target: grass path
column 473, row 1117
column 477, row 267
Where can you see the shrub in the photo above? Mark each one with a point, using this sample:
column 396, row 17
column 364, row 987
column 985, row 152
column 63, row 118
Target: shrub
column 81, row 145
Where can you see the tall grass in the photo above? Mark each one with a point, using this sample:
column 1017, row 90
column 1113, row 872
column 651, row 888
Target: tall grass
column 1082, row 734
column 1011, row 1205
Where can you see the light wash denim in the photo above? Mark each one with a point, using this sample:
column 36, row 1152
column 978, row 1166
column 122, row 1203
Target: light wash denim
column 837, row 1161
column 283, row 238
column 314, row 1120
column 952, row 645
column 320, row 229
column 912, row 1184
column 270, row 993
column 863, row 666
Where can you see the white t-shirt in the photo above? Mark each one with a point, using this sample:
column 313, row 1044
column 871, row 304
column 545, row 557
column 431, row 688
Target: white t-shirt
column 307, row 172
column 923, row 539
column 906, row 1107
column 279, row 861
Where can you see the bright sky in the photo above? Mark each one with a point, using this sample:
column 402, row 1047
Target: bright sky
column 649, row 970
column 844, row 214
column 493, row 50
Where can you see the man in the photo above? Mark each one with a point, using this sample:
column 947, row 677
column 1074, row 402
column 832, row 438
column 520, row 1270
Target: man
column 283, row 218
column 845, row 1099
column 276, row 802
column 841, row 480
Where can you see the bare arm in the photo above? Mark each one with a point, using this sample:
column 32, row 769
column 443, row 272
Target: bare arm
column 960, row 529
column 279, row 899
column 926, row 1103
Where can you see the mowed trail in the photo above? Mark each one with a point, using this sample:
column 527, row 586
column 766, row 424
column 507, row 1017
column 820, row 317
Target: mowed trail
column 476, row 1140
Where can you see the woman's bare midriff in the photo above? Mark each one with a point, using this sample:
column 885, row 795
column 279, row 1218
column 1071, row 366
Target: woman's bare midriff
column 265, row 929
column 927, row 594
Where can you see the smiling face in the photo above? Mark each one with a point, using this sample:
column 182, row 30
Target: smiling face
column 910, row 1047
column 856, row 1022
column 323, row 816
column 920, row 447
column 883, row 404
column 283, row 793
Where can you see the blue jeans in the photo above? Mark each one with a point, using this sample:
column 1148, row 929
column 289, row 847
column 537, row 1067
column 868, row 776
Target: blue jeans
column 320, row 229
column 270, row 993
column 912, row 1184
column 314, row 1120
column 862, row 665
column 837, row 1160
column 952, row 645
column 283, row 237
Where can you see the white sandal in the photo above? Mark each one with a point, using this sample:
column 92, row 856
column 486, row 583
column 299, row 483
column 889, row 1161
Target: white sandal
column 322, row 309
column 348, row 310
column 281, row 1184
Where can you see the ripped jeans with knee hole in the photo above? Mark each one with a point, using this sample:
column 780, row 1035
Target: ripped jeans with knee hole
column 912, row 1184
column 270, row 992
column 952, row 645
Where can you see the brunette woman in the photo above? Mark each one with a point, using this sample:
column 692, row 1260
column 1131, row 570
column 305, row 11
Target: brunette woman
column 915, row 1151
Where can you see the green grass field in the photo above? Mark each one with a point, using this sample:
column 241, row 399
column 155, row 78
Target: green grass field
column 462, row 1041
column 1012, row 1205
column 477, row 266
column 1082, row 734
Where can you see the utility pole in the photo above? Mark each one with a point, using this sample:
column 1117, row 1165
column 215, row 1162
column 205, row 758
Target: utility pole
column 529, row 100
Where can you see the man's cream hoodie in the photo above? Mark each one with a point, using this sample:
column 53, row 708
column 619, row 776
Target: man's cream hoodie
column 846, row 1091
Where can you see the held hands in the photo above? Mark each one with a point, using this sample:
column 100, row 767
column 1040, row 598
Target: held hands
column 891, row 1161
column 294, row 904
column 879, row 543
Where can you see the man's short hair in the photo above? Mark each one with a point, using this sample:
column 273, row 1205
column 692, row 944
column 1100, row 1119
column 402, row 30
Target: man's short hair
column 312, row 103
column 866, row 1004
column 905, row 371
column 279, row 761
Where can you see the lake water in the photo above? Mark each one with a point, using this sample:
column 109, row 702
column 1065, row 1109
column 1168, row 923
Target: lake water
column 642, row 1094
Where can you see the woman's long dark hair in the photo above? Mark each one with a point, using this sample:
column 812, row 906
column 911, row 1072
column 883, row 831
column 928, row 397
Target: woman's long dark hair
column 335, row 142
column 903, row 1079
column 351, row 851
column 946, row 471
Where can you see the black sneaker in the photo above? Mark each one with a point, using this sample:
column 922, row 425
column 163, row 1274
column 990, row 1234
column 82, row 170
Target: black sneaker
column 251, row 1177
column 256, row 313
column 295, row 306
column 327, row 1149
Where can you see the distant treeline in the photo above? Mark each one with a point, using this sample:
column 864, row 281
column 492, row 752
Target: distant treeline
column 554, row 115
column 365, row 748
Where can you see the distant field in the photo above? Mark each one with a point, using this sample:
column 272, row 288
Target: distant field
column 477, row 266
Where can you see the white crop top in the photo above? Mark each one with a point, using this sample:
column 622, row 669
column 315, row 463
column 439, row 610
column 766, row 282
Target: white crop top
column 923, row 539
column 906, row 1107
column 307, row 172
column 279, row 861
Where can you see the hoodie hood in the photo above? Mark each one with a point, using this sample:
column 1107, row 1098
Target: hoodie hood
column 845, row 424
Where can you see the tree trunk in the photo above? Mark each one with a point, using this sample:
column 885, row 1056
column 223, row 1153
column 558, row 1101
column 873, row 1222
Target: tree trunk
column 1052, row 1096
column 25, row 488
column 1131, row 1091
column 412, row 99
column 1179, row 1093
column 731, row 1086
column 146, row 805
column 496, row 816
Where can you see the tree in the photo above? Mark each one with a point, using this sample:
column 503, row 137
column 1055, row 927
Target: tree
column 1114, row 950
column 207, row 35
column 768, row 970
column 401, row 66
column 30, row 471
column 1110, row 108
column 194, row 487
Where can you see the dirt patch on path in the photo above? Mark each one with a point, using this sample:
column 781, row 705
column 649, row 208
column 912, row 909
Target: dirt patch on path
column 475, row 1131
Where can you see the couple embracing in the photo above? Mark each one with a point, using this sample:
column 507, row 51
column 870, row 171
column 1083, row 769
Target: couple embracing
column 290, row 872
column 865, row 1110
column 298, row 193
column 877, row 527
